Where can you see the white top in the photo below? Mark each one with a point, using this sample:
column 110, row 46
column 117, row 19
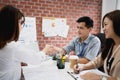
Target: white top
column 10, row 68
column 12, row 55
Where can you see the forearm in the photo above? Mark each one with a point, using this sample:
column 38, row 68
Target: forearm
column 108, row 77
column 88, row 66
column 63, row 51
column 112, row 78
column 83, row 60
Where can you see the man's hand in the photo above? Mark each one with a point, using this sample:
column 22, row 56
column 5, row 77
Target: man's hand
column 72, row 53
column 50, row 49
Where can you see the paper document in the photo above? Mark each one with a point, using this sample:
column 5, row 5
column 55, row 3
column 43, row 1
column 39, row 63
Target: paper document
column 54, row 27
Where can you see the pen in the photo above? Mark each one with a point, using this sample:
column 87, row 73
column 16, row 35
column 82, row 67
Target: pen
column 76, row 63
column 77, row 66
column 71, row 75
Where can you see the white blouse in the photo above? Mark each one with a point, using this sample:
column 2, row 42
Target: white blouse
column 10, row 68
column 12, row 55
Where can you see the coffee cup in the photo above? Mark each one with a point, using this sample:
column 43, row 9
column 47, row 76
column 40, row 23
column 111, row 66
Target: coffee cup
column 73, row 60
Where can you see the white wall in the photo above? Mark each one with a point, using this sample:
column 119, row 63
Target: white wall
column 108, row 5
column 118, row 4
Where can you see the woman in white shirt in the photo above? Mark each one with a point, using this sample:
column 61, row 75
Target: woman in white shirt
column 11, row 20
column 11, row 55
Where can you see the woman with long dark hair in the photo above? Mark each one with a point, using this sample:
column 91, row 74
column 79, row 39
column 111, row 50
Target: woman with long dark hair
column 11, row 20
column 110, row 56
column 12, row 56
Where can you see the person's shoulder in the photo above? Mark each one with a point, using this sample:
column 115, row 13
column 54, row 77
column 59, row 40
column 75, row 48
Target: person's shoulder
column 9, row 48
column 94, row 38
column 15, row 46
column 12, row 45
column 101, row 37
column 75, row 39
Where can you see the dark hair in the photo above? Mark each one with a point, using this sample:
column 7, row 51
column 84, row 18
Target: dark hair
column 114, row 16
column 9, row 24
column 88, row 21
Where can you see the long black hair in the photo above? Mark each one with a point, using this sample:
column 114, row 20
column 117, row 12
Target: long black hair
column 114, row 16
column 9, row 24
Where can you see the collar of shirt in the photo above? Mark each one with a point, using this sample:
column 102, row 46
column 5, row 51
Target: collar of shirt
column 87, row 40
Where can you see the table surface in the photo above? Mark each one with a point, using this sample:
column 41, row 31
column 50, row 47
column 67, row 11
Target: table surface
column 48, row 70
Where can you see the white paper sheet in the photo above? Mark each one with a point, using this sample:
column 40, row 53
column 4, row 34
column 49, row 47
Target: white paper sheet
column 49, row 71
column 54, row 27
column 28, row 32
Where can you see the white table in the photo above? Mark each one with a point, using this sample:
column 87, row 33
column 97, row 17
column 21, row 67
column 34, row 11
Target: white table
column 48, row 70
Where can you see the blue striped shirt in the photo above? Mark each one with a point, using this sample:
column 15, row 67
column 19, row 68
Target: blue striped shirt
column 91, row 48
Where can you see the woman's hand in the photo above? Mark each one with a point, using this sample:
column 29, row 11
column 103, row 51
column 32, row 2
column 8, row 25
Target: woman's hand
column 90, row 76
column 49, row 49
column 77, row 68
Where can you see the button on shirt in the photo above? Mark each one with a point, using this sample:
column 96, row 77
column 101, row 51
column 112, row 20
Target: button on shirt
column 91, row 47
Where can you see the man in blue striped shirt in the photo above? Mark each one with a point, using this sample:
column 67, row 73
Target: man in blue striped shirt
column 86, row 46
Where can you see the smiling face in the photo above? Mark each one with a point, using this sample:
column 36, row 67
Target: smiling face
column 83, row 31
column 108, row 28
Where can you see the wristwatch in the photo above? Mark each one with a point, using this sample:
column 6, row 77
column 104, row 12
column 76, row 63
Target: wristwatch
column 104, row 77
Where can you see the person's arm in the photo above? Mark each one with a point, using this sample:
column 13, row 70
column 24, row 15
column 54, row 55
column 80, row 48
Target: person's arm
column 87, row 66
column 63, row 51
column 70, row 46
column 66, row 49
column 97, row 62
column 94, row 76
column 108, row 78
column 48, row 49
column 83, row 60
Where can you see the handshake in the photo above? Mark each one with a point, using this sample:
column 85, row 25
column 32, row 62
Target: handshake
column 51, row 50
